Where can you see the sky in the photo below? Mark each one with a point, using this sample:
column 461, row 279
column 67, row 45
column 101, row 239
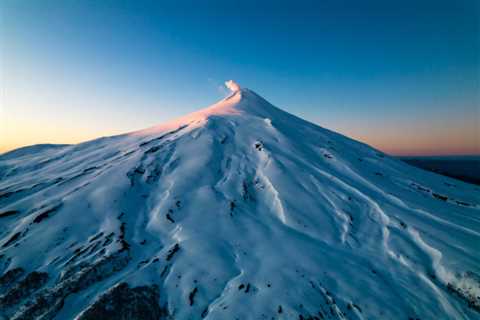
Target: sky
column 402, row 76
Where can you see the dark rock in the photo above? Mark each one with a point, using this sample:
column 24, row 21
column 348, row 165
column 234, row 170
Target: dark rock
column 12, row 239
column 462, row 203
column 90, row 169
column 24, row 289
column 164, row 271
column 439, row 196
column 44, row 215
column 152, row 150
column 191, row 296
column 49, row 301
column 139, row 170
column 9, row 278
column 172, row 251
column 204, row 313
column 470, row 298
column 108, row 239
column 122, row 303
column 169, row 218
column 9, row 213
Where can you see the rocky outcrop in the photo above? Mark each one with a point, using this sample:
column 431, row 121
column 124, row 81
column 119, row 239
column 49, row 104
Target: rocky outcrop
column 24, row 289
column 17, row 290
column 123, row 302
column 10, row 278
column 50, row 300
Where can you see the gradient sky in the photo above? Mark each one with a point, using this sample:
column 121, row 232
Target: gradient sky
column 403, row 76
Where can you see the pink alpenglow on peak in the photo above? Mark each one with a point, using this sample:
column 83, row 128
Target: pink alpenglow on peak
column 232, row 85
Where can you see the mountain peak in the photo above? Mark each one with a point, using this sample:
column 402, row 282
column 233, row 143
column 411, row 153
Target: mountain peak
column 240, row 102
column 232, row 85
column 238, row 205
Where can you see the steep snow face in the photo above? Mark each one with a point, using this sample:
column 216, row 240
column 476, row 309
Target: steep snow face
column 240, row 210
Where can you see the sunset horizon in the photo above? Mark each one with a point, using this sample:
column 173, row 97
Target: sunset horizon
column 404, row 146
column 401, row 77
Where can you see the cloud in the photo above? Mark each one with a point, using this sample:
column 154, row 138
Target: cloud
column 232, row 85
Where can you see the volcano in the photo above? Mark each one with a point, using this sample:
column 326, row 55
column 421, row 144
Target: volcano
column 237, row 211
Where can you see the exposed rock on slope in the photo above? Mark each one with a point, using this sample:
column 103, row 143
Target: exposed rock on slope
column 123, row 302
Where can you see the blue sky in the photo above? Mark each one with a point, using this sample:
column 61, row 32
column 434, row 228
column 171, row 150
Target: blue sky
column 403, row 76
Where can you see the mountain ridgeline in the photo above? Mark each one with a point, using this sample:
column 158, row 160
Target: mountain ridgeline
column 237, row 211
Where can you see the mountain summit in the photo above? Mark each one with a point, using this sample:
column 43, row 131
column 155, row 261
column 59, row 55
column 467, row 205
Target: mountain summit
column 232, row 85
column 237, row 211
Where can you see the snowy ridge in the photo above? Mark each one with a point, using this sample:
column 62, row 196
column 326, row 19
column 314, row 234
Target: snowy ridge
column 237, row 211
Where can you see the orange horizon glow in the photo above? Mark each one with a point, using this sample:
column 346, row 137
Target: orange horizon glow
column 425, row 145
column 19, row 136
column 67, row 79
column 400, row 137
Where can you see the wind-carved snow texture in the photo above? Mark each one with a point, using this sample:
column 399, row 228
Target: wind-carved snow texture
column 237, row 211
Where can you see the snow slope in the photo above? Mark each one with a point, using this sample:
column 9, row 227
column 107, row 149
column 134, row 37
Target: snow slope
column 237, row 211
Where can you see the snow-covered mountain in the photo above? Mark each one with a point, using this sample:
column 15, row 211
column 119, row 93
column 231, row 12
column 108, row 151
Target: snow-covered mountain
column 237, row 211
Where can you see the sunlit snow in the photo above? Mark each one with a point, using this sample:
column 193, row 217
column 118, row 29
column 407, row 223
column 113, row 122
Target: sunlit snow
column 239, row 210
